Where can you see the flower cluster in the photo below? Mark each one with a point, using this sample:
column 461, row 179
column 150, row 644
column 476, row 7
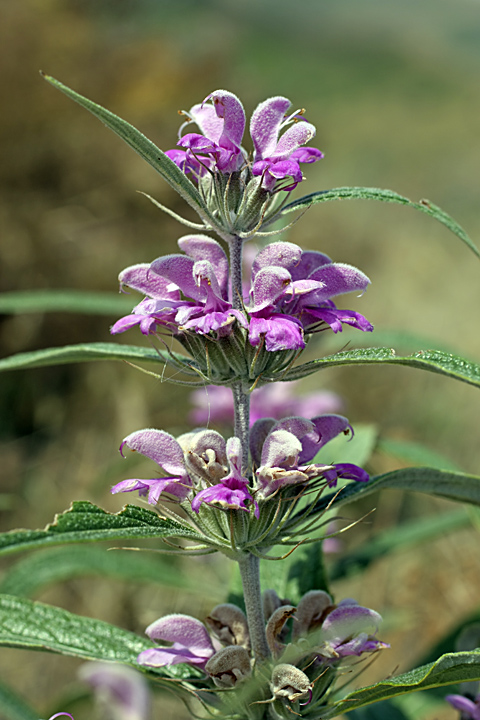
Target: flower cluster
column 202, row 467
column 290, row 294
column 321, row 636
column 278, row 141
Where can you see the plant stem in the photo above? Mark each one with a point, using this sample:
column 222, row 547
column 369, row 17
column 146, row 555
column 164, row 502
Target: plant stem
column 236, row 246
column 250, row 571
column 249, row 564
column 241, row 397
column 241, row 405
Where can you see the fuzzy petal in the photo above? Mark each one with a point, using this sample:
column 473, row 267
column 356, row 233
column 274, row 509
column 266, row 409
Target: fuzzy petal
column 159, row 446
column 202, row 247
column 265, row 125
column 280, row 254
column 281, row 332
column 338, row 279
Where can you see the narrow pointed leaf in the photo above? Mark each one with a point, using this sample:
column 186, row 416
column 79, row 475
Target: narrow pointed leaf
column 414, row 454
column 89, row 351
column 85, row 522
column 450, row 669
column 76, row 301
column 432, row 360
column 456, row 486
column 144, row 147
column 33, row 573
column 366, row 193
column 13, row 707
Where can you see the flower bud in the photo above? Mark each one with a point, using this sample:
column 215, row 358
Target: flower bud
column 311, row 612
column 229, row 624
column 289, row 682
column 275, row 627
column 229, row 666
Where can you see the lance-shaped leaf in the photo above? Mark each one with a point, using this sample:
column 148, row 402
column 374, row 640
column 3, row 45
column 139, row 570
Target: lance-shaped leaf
column 13, row 707
column 146, row 149
column 85, row 352
column 85, row 522
column 456, row 486
column 76, row 301
column 366, row 193
column 36, row 626
column 34, row 572
column 432, row 360
column 449, row 669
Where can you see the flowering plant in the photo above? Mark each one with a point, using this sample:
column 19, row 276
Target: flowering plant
column 272, row 487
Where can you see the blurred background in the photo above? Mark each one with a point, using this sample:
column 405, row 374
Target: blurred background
column 393, row 89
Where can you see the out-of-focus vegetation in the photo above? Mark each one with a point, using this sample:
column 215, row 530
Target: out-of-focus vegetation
column 393, row 90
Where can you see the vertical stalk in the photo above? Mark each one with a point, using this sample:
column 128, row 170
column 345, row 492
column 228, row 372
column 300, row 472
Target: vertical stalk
column 249, row 564
column 250, row 571
column 241, row 397
column 236, row 245
column 241, row 405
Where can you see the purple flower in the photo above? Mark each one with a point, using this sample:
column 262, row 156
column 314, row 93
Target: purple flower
column 121, row 690
column 278, row 141
column 278, row 156
column 221, row 120
column 283, row 451
column 184, row 292
column 167, row 453
column 468, row 708
column 232, row 491
column 291, row 295
column 215, row 403
column 191, row 642
column 349, row 629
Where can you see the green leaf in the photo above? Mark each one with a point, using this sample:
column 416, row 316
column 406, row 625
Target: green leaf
column 415, row 453
column 307, row 571
column 449, row 669
column 397, row 538
column 432, row 360
column 145, row 148
column 39, row 570
column 385, row 710
column 35, row 626
column 456, row 486
column 76, row 301
column 406, row 342
column 13, row 707
column 85, row 522
column 364, row 193
column 85, row 352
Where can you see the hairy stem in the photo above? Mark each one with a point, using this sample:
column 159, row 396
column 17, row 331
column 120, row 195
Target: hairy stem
column 250, row 571
column 241, row 405
column 236, row 245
